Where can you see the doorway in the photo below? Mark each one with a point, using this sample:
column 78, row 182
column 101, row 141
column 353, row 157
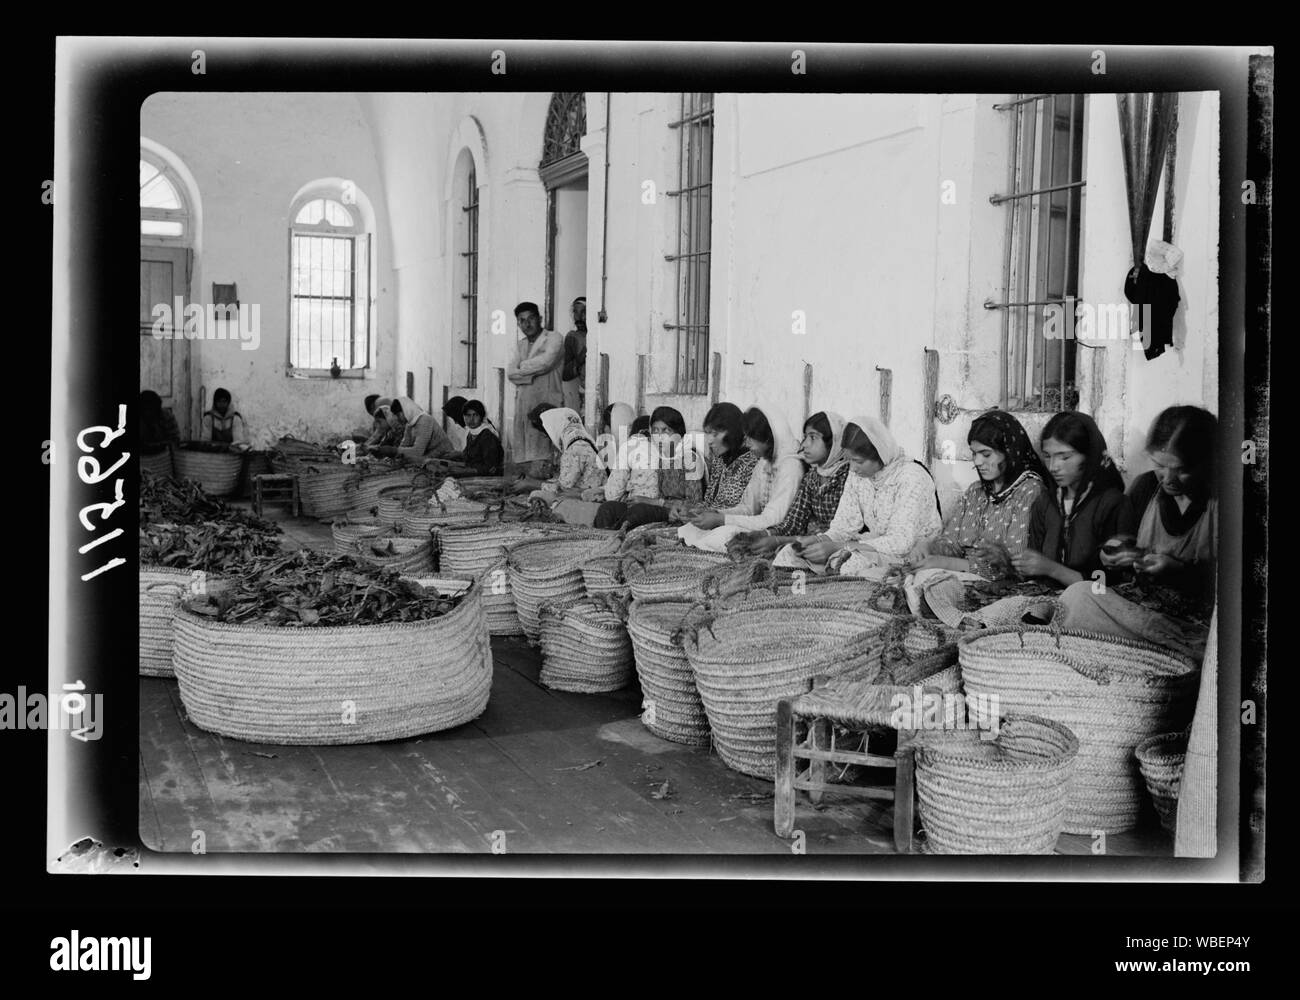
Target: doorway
column 563, row 171
column 165, row 359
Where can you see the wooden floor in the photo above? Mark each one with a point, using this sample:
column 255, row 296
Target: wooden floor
column 551, row 772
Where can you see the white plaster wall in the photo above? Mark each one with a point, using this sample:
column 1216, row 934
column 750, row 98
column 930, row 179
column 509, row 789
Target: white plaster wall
column 249, row 154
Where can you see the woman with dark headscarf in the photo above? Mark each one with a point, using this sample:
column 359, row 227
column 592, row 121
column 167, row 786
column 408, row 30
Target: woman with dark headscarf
column 996, row 509
column 1168, row 535
column 1068, row 529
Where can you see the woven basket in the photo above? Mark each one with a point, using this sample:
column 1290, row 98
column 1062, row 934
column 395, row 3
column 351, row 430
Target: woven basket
column 159, row 464
column 585, row 648
column 480, row 484
column 746, row 661
column 550, row 569
column 672, row 709
column 390, row 505
column 364, row 491
column 323, row 488
column 477, row 551
column 670, row 574
column 1160, row 759
column 1112, row 693
column 425, row 517
column 161, row 589
column 349, row 531
column 604, row 575
column 995, row 796
column 412, row 555
column 328, row 685
column 834, row 591
column 216, row 471
column 654, row 534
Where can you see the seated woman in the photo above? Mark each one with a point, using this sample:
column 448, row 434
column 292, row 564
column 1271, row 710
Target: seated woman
column 579, row 463
column 454, row 409
column 221, row 424
column 482, row 454
column 995, row 510
column 637, row 496
column 381, row 426
column 629, row 457
column 1172, row 515
column 1069, row 526
column 771, row 488
column 815, row 501
column 158, row 427
column 422, row 440
column 889, row 503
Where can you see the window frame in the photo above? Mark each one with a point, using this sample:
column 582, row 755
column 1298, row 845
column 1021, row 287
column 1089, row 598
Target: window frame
column 183, row 215
column 357, row 231
column 470, row 295
column 691, row 326
column 1031, row 197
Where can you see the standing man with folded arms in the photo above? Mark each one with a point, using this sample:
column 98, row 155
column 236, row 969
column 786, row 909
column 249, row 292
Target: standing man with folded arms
column 536, row 374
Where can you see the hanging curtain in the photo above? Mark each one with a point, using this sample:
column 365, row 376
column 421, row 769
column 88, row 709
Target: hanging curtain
column 1144, row 124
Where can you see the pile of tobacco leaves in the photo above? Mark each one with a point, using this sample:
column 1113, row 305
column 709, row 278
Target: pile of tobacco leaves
column 183, row 527
column 307, row 588
column 1144, row 591
column 981, row 593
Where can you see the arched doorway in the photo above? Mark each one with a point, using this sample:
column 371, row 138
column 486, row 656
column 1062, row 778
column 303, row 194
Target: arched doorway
column 563, row 170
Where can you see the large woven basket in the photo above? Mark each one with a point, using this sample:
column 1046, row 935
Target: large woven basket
column 412, row 554
column 477, row 551
column 348, row 531
column 323, row 488
column 550, row 569
column 666, row 573
column 746, row 661
column 672, row 707
column 1160, row 759
column 1112, row 693
column 604, row 575
column 585, row 647
column 216, row 471
column 425, row 517
column 161, row 590
column 995, row 796
column 159, row 464
column 837, row 591
column 327, row 685
column 367, row 486
column 390, row 505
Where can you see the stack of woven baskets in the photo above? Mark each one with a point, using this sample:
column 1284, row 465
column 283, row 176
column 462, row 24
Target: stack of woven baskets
column 585, row 646
column 550, row 569
column 477, row 552
column 995, row 796
column 326, row 685
column 1112, row 693
column 672, row 707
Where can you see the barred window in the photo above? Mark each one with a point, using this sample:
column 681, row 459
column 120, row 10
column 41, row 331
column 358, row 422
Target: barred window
column 470, row 295
column 694, row 197
column 1040, row 269
column 329, row 298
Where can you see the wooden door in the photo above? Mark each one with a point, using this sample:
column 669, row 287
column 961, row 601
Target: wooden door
column 165, row 363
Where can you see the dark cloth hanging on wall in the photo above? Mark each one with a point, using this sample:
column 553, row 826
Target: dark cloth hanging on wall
column 1156, row 296
column 1144, row 125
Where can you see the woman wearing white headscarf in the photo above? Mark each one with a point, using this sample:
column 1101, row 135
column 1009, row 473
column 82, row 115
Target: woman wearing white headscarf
column 580, row 467
column 771, row 490
column 422, row 438
column 889, row 503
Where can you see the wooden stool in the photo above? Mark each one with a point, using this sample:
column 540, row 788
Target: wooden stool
column 277, row 487
column 858, row 701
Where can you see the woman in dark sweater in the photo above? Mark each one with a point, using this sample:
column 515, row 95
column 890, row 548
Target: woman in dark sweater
column 483, row 453
column 1069, row 524
column 1168, row 535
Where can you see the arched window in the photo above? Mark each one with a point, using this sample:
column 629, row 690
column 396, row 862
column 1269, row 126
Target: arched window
column 566, row 124
column 164, row 213
column 465, row 278
column 329, row 282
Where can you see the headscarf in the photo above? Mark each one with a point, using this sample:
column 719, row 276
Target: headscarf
column 785, row 442
column 616, row 434
column 455, row 408
column 384, row 401
column 411, row 412
column 563, row 426
column 1002, row 432
column 835, row 461
column 886, row 445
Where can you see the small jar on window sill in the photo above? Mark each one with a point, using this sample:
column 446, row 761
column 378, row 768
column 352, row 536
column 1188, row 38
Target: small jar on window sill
column 335, row 370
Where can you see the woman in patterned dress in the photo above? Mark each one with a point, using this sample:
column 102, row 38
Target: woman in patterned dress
column 995, row 512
